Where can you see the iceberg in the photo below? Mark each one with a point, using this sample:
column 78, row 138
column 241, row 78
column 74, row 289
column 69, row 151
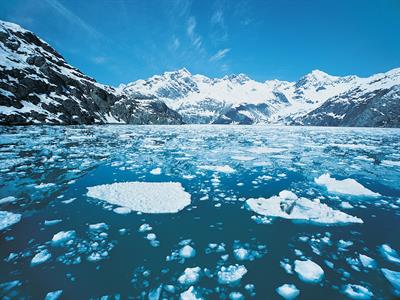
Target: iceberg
column 146, row 197
column 7, row 219
column 288, row 206
column 41, row 257
column 63, row 237
column 288, row 291
column 308, row 271
column 359, row 292
column 346, row 186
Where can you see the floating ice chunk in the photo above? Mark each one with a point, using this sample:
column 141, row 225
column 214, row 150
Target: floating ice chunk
column 222, row 169
column 266, row 150
column 231, row 274
column 389, row 253
column 356, row 291
column 122, row 210
column 7, row 219
column 393, row 277
column 98, row 226
column 287, row 205
column 151, row 236
column 52, row 222
column 187, row 251
column 147, row 197
column 53, row 295
column 190, row 276
column 156, row 171
column 155, row 294
column 63, row 237
column 288, row 291
column 44, row 185
column 347, row 186
column 7, row 199
column 41, row 257
column 190, row 294
column 243, row 158
column 367, row 261
column 308, row 271
column 346, row 205
column 145, row 227
column 236, row 296
column 241, row 253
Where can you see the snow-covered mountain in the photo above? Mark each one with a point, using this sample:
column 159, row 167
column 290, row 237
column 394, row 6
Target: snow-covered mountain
column 241, row 100
column 38, row 86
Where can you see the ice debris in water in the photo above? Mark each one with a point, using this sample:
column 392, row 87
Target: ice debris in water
column 145, row 227
column 146, row 197
column 222, row 169
column 236, row 296
column 156, row 171
column 98, row 226
column 287, row 205
column 389, row 253
column 288, row 291
column 7, row 219
column 190, row 276
column 231, row 274
column 63, row 237
column 53, row 295
column 346, row 186
column 190, row 294
column 41, row 257
column 7, row 199
column 187, row 251
column 367, row 261
column 355, row 291
column 308, row 271
column 394, row 278
column 52, row 222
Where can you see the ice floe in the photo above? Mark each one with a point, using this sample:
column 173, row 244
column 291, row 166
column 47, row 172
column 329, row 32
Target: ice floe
column 156, row 171
column 7, row 219
column 190, row 294
column 222, row 169
column 236, row 296
column 53, row 295
column 7, row 199
column 63, row 237
column 41, row 257
column 187, row 251
column 231, row 274
column 367, row 261
column 346, row 186
column 394, row 278
column 146, row 197
column 389, row 253
column 359, row 292
column 288, row 291
column 287, row 205
column 308, row 271
column 190, row 276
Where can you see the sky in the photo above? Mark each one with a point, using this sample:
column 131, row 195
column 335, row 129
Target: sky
column 119, row 41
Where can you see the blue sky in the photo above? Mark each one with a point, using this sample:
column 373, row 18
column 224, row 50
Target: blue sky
column 118, row 41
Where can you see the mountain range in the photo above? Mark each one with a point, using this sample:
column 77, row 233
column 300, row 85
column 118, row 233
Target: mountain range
column 37, row 86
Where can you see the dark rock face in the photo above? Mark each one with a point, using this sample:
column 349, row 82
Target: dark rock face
column 38, row 86
column 379, row 108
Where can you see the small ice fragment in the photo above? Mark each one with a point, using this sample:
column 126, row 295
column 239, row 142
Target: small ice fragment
column 98, row 226
column 122, row 210
column 8, row 219
column 52, row 222
column 62, row 237
column 189, row 294
column 243, row 158
column 241, row 253
column 7, row 199
column 53, row 295
column 190, row 276
column 367, row 261
column 155, row 294
column 187, row 251
column 393, row 277
column 236, row 296
column 308, row 271
column 145, row 227
column 347, row 186
column 44, row 185
column 231, row 274
column 41, row 257
column 156, row 171
column 223, row 169
column 358, row 292
column 288, row 291
column 389, row 253
column 346, row 205
column 151, row 236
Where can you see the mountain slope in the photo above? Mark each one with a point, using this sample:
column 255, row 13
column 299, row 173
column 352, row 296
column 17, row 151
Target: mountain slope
column 237, row 99
column 38, row 86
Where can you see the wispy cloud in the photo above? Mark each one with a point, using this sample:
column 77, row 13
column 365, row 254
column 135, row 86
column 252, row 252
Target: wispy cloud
column 194, row 37
column 73, row 18
column 220, row 54
column 99, row 60
column 174, row 44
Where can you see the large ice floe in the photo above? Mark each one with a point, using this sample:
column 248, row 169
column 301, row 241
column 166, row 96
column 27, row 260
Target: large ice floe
column 308, row 271
column 287, row 205
column 146, row 197
column 355, row 291
column 7, row 219
column 346, row 186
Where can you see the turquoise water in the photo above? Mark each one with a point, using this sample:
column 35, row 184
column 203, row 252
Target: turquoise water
column 48, row 170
